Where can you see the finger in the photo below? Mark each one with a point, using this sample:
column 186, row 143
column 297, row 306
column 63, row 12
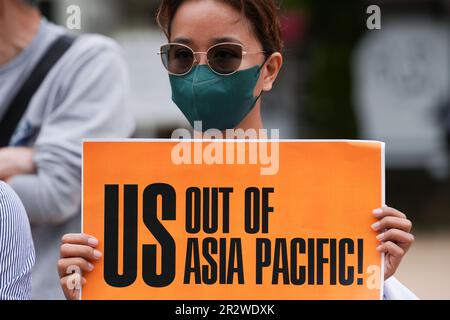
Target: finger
column 80, row 238
column 393, row 223
column 76, row 250
column 403, row 239
column 66, row 266
column 68, row 293
column 388, row 211
column 392, row 249
column 71, row 286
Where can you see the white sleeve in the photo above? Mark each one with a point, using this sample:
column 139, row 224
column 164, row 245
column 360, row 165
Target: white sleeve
column 394, row 290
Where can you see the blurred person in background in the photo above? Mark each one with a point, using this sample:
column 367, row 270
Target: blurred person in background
column 16, row 247
column 55, row 90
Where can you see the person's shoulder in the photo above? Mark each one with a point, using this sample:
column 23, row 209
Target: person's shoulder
column 5, row 190
column 13, row 216
column 7, row 193
column 88, row 50
column 94, row 50
column 10, row 203
column 92, row 41
column 88, row 47
column 85, row 41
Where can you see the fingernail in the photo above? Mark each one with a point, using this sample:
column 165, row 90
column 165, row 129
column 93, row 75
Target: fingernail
column 376, row 226
column 377, row 212
column 92, row 241
column 380, row 236
column 379, row 248
column 97, row 254
column 90, row 267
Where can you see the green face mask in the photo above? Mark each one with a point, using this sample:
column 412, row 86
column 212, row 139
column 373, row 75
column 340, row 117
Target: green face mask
column 220, row 102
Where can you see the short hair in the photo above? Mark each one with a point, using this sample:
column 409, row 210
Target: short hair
column 262, row 14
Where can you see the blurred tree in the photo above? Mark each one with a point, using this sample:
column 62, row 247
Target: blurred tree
column 334, row 31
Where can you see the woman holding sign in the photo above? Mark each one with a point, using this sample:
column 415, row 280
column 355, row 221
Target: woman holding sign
column 221, row 57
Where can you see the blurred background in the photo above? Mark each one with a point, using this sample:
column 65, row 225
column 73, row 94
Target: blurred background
column 341, row 80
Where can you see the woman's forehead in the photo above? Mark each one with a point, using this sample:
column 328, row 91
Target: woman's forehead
column 211, row 41
column 209, row 22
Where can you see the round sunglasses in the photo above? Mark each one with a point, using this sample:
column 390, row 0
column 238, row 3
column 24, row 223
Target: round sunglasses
column 223, row 59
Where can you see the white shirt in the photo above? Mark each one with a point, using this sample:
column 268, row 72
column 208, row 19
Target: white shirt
column 394, row 290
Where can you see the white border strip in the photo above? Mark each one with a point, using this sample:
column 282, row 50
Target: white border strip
column 383, row 203
column 82, row 201
column 230, row 140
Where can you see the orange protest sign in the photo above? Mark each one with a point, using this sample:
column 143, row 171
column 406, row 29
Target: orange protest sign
column 193, row 220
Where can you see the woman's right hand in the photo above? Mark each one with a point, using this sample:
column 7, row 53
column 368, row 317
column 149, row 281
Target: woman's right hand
column 78, row 254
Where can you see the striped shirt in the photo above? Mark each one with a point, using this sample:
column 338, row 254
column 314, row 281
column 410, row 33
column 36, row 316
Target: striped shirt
column 16, row 247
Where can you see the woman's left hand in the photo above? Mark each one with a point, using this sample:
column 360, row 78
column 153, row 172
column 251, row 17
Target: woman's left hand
column 395, row 237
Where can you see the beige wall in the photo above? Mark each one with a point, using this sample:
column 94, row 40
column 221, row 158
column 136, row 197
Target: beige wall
column 426, row 267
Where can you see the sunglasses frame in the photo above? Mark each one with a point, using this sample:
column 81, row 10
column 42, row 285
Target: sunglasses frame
column 196, row 61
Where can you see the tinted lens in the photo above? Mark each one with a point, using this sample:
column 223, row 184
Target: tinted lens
column 176, row 58
column 225, row 58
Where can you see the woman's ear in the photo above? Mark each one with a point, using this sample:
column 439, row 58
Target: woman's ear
column 271, row 70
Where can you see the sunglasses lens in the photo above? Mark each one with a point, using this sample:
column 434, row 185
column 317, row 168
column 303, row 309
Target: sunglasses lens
column 225, row 58
column 177, row 59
